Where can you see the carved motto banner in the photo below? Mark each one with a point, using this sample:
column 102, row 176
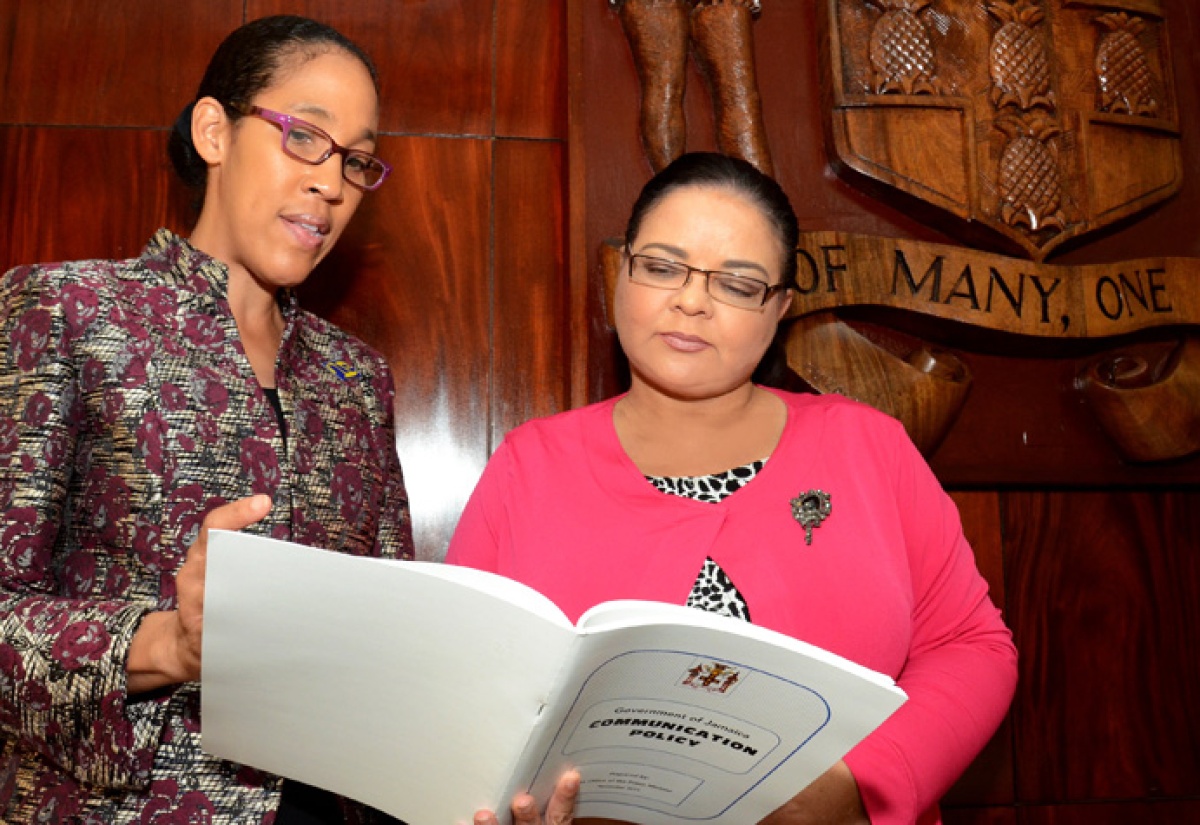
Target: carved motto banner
column 993, row 291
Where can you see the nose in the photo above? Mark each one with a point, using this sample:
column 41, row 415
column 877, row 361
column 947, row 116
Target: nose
column 325, row 178
column 692, row 298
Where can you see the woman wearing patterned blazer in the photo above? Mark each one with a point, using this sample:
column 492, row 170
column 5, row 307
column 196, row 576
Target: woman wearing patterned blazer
column 143, row 401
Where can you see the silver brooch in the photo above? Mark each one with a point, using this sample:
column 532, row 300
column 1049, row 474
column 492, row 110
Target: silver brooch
column 810, row 509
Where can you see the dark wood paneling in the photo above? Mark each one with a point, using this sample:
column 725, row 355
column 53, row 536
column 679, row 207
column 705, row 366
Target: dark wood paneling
column 411, row 278
column 1103, row 596
column 979, row 816
column 531, row 79
column 989, row 779
column 135, row 63
column 980, row 514
column 1025, row 422
column 434, row 57
column 84, row 193
column 608, row 169
column 529, row 331
column 1113, row 813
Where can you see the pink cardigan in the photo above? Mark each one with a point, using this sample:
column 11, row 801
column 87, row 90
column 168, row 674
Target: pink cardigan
column 888, row 581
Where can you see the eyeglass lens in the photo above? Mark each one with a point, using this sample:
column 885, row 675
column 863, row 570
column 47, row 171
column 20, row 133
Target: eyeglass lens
column 310, row 145
column 726, row 287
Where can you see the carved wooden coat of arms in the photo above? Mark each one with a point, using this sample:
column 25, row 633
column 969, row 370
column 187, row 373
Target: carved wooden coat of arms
column 1041, row 119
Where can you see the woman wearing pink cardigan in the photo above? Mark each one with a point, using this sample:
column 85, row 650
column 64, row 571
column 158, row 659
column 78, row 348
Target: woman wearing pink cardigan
column 811, row 515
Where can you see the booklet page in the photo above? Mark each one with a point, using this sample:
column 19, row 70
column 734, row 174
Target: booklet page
column 368, row 677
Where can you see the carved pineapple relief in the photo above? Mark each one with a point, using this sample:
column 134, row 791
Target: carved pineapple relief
column 1019, row 67
column 901, row 50
column 1001, row 112
column 1029, row 177
column 1126, row 83
column 1030, row 186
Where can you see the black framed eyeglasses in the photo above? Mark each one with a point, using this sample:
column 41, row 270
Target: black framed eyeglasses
column 310, row 144
column 729, row 288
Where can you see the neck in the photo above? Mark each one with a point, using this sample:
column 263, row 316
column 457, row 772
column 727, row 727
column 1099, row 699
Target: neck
column 256, row 313
column 669, row 436
column 647, row 403
column 254, row 307
column 252, row 303
column 259, row 323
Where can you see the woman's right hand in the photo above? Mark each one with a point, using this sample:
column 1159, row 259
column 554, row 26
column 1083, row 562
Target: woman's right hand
column 560, row 810
column 165, row 649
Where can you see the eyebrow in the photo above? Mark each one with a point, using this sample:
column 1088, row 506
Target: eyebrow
column 322, row 112
column 729, row 264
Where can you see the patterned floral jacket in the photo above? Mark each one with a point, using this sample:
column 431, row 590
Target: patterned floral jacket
column 128, row 410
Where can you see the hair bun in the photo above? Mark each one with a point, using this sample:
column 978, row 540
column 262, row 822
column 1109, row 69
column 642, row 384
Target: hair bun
column 188, row 164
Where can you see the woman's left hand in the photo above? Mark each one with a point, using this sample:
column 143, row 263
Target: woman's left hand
column 559, row 811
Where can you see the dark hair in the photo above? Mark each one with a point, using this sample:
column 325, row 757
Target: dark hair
column 246, row 63
column 712, row 170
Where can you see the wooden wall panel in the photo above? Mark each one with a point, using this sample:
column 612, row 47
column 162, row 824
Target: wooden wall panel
column 979, row 816
column 1165, row 812
column 531, row 76
column 434, row 57
column 132, row 63
column 1103, row 596
column 411, row 277
column 529, row 338
column 1039, row 428
column 84, row 193
column 989, row 779
column 980, row 514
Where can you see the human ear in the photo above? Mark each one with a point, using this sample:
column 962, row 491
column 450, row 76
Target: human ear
column 784, row 306
column 210, row 127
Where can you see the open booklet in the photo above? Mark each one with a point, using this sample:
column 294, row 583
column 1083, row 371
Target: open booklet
column 429, row 691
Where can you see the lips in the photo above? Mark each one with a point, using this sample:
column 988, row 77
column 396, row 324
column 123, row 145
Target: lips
column 684, row 343
column 309, row 230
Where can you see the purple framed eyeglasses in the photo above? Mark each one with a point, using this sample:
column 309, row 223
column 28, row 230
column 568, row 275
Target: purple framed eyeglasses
column 311, row 144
